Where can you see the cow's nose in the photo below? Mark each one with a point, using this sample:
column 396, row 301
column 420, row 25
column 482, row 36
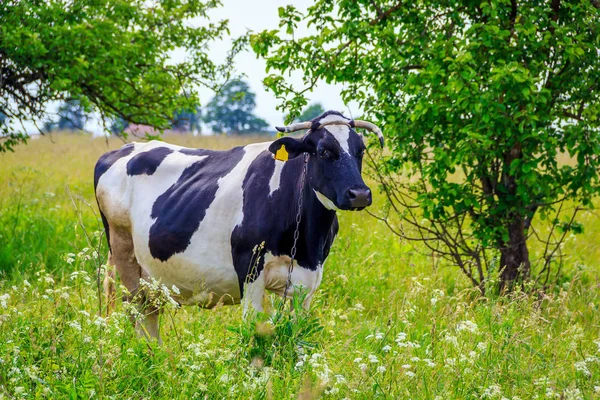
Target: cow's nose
column 359, row 197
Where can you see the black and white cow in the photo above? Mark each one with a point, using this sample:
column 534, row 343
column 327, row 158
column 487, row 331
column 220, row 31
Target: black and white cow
column 192, row 218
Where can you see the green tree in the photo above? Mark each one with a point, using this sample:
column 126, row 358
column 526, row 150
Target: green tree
column 110, row 55
column 480, row 99
column 232, row 110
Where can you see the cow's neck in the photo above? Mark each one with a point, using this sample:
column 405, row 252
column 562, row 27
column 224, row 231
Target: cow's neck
column 315, row 225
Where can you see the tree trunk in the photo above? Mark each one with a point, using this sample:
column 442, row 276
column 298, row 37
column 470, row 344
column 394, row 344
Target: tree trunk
column 514, row 256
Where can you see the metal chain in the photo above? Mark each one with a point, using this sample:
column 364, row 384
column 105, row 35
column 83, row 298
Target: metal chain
column 288, row 284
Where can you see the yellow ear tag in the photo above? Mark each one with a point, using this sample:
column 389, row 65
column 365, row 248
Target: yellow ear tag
column 282, row 154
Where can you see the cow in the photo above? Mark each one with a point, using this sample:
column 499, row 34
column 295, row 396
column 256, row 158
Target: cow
column 218, row 226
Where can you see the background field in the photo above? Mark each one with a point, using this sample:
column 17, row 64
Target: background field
column 389, row 321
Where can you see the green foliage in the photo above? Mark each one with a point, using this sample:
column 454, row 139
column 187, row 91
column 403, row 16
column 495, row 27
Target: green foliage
column 232, row 110
column 111, row 56
column 491, row 109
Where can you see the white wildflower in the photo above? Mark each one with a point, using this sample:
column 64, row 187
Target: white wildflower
column 410, row 374
column 406, row 366
column 581, row 366
column 467, row 325
column 451, row 339
column 381, row 369
column 4, row 300
column 100, row 322
column 75, row 325
column 428, row 362
column 572, row 394
column 386, row 348
column 373, row 358
column 491, row 392
column 363, row 367
column 358, row 359
column 401, row 337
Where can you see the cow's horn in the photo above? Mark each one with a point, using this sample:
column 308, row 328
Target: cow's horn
column 371, row 127
column 294, row 127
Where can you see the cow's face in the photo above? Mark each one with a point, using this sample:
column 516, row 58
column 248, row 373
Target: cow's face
column 334, row 165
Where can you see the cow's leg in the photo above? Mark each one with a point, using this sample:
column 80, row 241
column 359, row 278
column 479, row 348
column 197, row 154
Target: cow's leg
column 109, row 285
column 254, row 293
column 308, row 280
column 130, row 272
column 151, row 314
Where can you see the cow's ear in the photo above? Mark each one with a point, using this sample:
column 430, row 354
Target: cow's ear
column 287, row 148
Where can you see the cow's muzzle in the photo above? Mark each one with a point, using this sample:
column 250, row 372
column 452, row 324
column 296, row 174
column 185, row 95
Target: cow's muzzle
column 359, row 198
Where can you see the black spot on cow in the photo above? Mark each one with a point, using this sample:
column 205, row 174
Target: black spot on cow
column 180, row 210
column 108, row 159
column 147, row 162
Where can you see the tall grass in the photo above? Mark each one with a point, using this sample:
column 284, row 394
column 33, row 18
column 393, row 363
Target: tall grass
column 389, row 321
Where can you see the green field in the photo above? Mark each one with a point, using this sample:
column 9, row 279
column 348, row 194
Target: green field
column 389, row 321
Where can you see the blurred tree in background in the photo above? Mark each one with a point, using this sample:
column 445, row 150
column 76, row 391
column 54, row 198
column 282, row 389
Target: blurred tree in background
column 111, row 55
column 71, row 116
column 187, row 120
column 117, row 125
column 232, row 110
column 310, row 112
column 491, row 109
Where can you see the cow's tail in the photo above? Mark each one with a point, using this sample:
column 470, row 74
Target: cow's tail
column 109, row 286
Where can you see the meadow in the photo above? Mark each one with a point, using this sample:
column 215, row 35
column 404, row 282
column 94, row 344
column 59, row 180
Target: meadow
column 389, row 320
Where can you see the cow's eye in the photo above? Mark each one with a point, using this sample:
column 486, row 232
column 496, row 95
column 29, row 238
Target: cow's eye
column 324, row 153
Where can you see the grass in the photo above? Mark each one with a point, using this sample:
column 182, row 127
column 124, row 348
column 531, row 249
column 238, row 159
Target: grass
column 388, row 321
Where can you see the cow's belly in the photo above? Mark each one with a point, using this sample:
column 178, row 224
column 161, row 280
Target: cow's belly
column 204, row 273
column 201, row 282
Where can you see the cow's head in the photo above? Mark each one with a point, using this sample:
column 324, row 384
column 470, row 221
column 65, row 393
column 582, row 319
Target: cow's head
column 335, row 159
